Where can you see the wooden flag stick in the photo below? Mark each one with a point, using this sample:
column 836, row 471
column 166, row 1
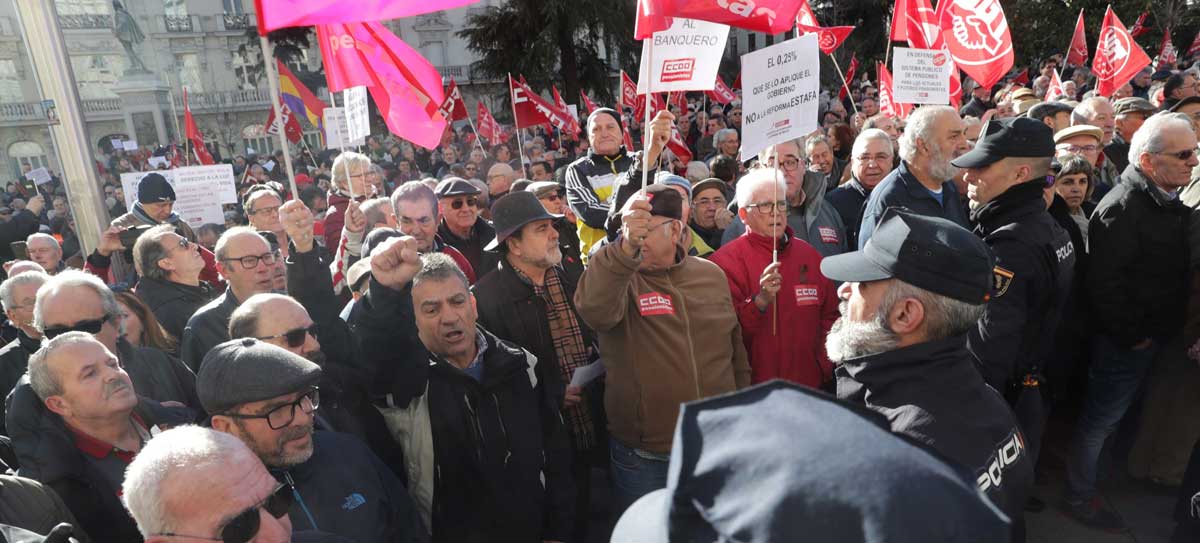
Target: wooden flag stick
column 844, row 83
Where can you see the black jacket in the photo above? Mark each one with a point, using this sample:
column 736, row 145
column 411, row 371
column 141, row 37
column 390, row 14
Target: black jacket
column 207, row 328
column 173, row 304
column 1138, row 271
column 14, row 360
column 346, row 490
column 500, row 449
column 976, row 107
column 931, row 392
column 1070, row 345
column 27, row 504
column 482, row 233
column 1117, row 152
column 48, row 454
column 568, row 243
column 158, row 375
column 1035, row 260
column 20, row 226
column 849, row 200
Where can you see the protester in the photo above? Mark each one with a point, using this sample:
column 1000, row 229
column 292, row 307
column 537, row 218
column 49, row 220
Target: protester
column 139, row 327
column 500, row 178
column 262, row 203
column 870, row 161
column 349, row 182
column 416, row 210
column 22, row 224
column 461, row 226
column 1098, row 112
column 590, row 180
column 169, row 266
column 821, row 160
column 710, row 214
column 1073, row 185
column 1056, row 115
column 553, row 198
column 17, row 295
column 46, row 251
column 1130, row 114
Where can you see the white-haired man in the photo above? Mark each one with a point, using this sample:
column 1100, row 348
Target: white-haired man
column 870, row 161
column 1098, row 112
column 923, row 182
column 46, row 251
column 17, row 294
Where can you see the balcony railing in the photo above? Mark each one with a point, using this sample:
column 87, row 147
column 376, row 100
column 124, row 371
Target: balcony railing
column 21, row 111
column 85, row 21
column 236, row 22
column 178, row 23
column 239, row 99
column 101, row 105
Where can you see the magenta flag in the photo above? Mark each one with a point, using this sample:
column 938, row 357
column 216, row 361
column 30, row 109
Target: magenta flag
column 273, row 14
column 405, row 86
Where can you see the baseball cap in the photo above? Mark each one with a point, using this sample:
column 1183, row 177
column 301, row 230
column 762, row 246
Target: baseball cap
column 1015, row 137
column 665, row 201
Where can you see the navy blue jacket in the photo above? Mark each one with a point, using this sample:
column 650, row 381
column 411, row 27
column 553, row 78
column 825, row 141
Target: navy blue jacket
column 902, row 189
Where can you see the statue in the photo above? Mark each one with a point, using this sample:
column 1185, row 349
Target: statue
column 128, row 33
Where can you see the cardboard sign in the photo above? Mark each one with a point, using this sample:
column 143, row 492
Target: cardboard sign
column 358, row 124
column 159, row 162
column 921, row 76
column 686, row 57
column 39, row 176
column 337, row 131
column 780, row 93
column 199, row 191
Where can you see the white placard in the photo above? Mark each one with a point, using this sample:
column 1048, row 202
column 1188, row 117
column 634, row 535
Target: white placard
column 199, row 191
column 358, row 124
column 117, row 144
column 131, row 145
column 39, row 176
column 921, row 76
column 781, row 85
column 686, row 57
column 337, row 133
column 159, row 162
column 218, row 178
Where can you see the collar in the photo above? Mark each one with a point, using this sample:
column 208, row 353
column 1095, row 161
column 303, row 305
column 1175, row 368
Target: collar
column 100, row 450
column 1019, row 200
column 759, row 240
column 480, row 349
column 868, row 369
column 30, row 345
column 917, row 190
column 1138, row 179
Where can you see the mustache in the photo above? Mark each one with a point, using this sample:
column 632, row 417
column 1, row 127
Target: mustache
column 114, row 387
column 295, row 432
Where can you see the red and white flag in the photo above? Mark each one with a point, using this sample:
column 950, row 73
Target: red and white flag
column 1055, row 89
column 679, row 101
column 486, row 124
column 1195, row 47
column 976, row 34
column 629, row 93
column 1078, row 51
column 1167, row 55
column 899, row 30
column 1118, row 57
column 1022, row 78
column 721, row 94
column 770, row 16
column 454, row 108
column 291, row 125
column 828, row 38
column 850, row 73
column 678, row 147
column 1139, row 26
column 193, row 134
column 530, row 109
column 573, row 129
column 587, row 102
column 887, row 98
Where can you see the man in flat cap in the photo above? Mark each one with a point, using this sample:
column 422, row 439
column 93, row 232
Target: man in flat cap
column 267, row 397
column 1097, row 111
column 1035, row 262
column 668, row 331
column 589, row 180
column 1056, row 115
column 1131, row 113
column 909, row 299
column 462, row 227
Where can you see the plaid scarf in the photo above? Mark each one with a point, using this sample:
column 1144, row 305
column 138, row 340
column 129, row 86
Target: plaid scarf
column 569, row 347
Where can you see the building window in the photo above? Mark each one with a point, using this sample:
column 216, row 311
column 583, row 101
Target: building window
column 175, row 8
column 233, row 7
column 190, row 72
column 752, row 38
column 255, row 140
column 96, row 74
column 10, row 82
column 28, row 153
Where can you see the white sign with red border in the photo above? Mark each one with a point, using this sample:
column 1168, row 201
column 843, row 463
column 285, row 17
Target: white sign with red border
column 780, row 93
column 921, row 76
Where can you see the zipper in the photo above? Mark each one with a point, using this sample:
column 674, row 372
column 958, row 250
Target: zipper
column 299, row 500
column 687, row 327
column 503, row 430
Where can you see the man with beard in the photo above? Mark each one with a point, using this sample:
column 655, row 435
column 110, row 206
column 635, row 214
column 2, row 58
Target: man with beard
column 590, row 180
column 267, row 397
column 924, row 181
column 909, row 297
column 870, row 160
column 553, row 198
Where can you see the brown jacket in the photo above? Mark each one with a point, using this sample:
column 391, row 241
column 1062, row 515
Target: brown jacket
column 667, row 337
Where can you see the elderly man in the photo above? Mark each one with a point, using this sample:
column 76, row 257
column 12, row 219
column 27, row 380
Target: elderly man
column 1180, row 85
column 169, row 266
column 710, row 212
column 461, row 226
column 785, row 307
column 727, row 144
column 1130, row 113
column 1098, row 112
column 499, row 180
column 923, row 182
column 541, row 171
column 247, row 263
column 46, row 251
column 870, row 161
column 77, row 422
column 908, row 300
column 669, row 333
column 590, row 180
column 17, row 295
column 416, row 210
column 262, row 203
column 822, row 161
column 553, row 198
column 267, row 397
column 434, row 371
column 1138, row 283
column 377, row 213
column 155, row 205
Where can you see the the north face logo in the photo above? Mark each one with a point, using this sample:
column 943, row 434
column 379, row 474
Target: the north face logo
column 353, row 501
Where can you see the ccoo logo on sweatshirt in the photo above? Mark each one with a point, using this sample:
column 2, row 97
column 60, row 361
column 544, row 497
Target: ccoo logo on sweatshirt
column 653, row 303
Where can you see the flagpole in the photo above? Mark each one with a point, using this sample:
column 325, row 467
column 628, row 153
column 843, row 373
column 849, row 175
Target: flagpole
column 273, row 81
column 887, row 51
column 517, row 126
column 844, row 83
column 342, row 146
column 775, row 235
column 646, row 126
column 175, row 113
column 472, row 125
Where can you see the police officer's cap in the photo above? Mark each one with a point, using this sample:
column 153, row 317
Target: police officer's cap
column 1016, row 137
column 930, row 253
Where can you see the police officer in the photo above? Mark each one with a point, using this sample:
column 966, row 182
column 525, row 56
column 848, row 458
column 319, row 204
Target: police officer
column 1035, row 261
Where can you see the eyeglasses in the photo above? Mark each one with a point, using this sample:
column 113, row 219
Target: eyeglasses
column 1079, row 148
column 184, row 243
column 245, row 525
column 282, row 416
column 458, row 203
column 92, row 326
column 251, row 262
column 789, row 164
column 880, row 158
column 267, row 210
column 295, row 338
column 1181, row 155
column 769, row 207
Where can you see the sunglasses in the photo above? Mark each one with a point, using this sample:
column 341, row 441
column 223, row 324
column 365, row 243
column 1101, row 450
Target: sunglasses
column 458, row 203
column 89, row 326
column 295, row 338
column 1181, row 155
column 245, row 525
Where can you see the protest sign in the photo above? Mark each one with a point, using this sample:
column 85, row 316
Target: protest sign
column 38, row 176
column 358, row 124
column 199, row 191
column 921, row 76
column 337, row 132
column 780, row 93
column 117, row 144
column 159, row 162
column 131, row 145
column 686, row 57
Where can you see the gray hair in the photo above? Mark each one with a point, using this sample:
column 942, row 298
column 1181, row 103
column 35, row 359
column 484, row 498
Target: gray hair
column 348, row 159
column 439, row 267
column 222, row 246
column 24, row 278
column 867, row 136
column 414, row 191
column 42, row 237
column 920, row 127
column 1086, row 109
column 873, row 120
column 720, row 135
column 944, row 316
column 148, row 250
column 769, row 152
column 72, row 279
column 697, row 171
column 1152, row 136
column 374, row 211
column 181, row 455
column 756, row 179
column 42, row 379
column 816, row 140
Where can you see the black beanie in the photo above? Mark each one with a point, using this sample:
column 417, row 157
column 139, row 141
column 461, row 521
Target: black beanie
column 155, row 189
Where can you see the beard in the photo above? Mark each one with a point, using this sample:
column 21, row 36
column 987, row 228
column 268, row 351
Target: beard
column 852, row 339
column 939, row 165
column 274, row 455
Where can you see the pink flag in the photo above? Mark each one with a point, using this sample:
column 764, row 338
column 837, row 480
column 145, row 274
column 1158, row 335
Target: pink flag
column 650, row 19
column 405, row 86
column 770, row 16
column 273, row 14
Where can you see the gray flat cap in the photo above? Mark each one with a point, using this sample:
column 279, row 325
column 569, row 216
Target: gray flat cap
column 248, row 370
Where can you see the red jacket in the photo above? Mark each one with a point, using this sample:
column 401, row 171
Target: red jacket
column 807, row 306
column 335, row 219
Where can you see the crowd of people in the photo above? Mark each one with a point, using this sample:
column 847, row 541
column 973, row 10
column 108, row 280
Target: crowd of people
column 522, row 342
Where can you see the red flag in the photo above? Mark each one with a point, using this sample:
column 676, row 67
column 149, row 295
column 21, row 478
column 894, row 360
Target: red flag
column 1167, row 55
column 1055, row 89
column 899, row 31
column 721, row 93
column 1139, row 26
column 921, row 22
column 650, row 19
column 291, row 125
column 679, row 100
column 629, row 92
column 678, row 147
column 887, row 102
column 454, row 108
column 977, row 36
column 850, row 73
column 1118, row 57
column 656, row 104
column 530, row 109
column 737, row 82
column 193, row 134
column 588, row 103
column 1078, row 51
column 770, row 16
column 1022, row 78
column 805, row 16
column 1195, row 47
column 628, row 140
column 573, row 128
column 828, row 38
column 486, row 124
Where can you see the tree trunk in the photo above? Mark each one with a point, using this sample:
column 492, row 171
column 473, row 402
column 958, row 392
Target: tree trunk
column 568, row 62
